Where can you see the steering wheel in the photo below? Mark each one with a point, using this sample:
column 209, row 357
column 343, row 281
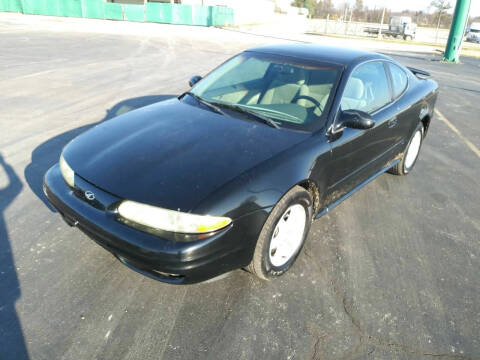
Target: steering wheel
column 311, row 99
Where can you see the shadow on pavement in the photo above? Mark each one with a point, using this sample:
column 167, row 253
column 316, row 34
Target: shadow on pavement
column 12, row 342
column 45, row 155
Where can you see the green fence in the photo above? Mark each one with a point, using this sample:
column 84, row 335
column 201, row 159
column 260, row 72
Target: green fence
column 99, row 9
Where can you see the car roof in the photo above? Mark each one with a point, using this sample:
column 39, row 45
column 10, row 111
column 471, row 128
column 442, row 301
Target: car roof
column 322, row 53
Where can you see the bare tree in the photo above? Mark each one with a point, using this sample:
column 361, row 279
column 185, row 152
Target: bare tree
column 441, row 6
column 358, row 10
column 324, row 8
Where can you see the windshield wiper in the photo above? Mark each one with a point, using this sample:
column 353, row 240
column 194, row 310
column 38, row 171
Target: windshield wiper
column 257, row 116
column 204, row 102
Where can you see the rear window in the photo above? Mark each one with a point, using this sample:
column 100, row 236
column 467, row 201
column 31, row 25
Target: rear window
column 399, row 80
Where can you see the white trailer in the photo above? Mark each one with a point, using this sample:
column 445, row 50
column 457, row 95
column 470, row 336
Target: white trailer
column 473, row 32
column 400, row 27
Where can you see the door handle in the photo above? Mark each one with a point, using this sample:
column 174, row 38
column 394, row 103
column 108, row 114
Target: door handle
column 392, row 122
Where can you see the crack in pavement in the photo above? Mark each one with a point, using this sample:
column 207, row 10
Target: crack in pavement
column 367, row 339
column 315, row 349
column 367, row 343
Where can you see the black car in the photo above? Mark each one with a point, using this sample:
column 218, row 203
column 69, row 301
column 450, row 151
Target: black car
column 231, row 173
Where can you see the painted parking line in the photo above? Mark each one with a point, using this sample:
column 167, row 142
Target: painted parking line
column 456, row 131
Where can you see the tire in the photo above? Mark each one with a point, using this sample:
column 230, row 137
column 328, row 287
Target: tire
column 407, row 161
column 268, row 262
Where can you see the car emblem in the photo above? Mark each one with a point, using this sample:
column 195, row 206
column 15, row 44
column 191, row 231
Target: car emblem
column 89, row 195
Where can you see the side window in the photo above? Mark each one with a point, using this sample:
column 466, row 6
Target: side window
column 367, row 89
column 399, row 79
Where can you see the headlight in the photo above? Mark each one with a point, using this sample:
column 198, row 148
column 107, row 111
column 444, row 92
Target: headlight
column 67, row 172
column 170, row 220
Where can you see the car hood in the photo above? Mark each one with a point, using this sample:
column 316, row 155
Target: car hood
column 173, row 154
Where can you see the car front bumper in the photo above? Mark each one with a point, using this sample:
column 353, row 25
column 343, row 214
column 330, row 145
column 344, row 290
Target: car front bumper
column 167, row 260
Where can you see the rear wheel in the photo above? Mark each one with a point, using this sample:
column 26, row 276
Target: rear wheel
column 283, row 234
column 410, row 155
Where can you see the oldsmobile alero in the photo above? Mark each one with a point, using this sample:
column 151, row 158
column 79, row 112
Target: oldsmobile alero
column 232, row 173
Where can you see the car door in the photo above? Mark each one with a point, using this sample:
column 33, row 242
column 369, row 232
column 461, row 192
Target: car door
column 359, row 154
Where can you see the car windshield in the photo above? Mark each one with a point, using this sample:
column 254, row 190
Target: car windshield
column 294, row 93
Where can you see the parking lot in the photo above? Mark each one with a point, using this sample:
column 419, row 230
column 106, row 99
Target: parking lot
column 391, row 273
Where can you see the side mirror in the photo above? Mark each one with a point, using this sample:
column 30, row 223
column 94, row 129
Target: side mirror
column 194, row 79
column 356, row 119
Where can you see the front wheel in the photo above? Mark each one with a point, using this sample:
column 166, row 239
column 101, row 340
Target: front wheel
column 283, row 235
column 410, row 155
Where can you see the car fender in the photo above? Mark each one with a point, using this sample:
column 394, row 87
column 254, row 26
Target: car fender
column 262, row 186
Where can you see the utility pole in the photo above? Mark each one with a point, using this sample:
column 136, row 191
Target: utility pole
column 345, row 18
column 438, row 26
column 457, row 30
column 349, row 21
column 381, row 22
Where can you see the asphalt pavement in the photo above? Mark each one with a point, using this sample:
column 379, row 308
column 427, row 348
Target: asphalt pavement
column 391, row 273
